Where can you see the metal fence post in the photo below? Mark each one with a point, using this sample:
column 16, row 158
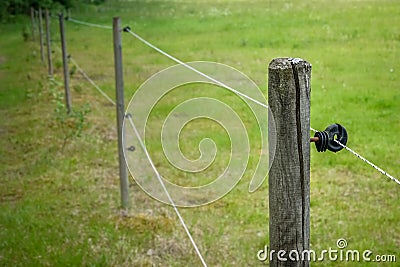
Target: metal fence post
column 48, row 43
column 65, row 63
column 41, row 35
column 33, row 24
column 119, row 87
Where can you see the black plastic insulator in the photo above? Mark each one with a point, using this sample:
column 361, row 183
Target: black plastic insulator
column 322, row 143
column 326, row 139
column 127, row 29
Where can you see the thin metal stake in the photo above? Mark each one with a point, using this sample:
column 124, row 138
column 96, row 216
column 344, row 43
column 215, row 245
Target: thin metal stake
column 48, row 43
column 119, row 89
column 41, row 35
column 65, row 64
column 33, row 24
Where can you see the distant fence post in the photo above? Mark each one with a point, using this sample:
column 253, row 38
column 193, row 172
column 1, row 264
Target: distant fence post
column 289, row 176
column 65, row 63
column 119, row 88
column 48, row 43
column 33, row 24
column 41, row 35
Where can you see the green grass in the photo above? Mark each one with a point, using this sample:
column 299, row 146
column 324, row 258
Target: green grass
column 60, row 207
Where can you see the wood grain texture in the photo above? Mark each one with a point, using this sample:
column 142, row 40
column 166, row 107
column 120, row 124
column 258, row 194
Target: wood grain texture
column 289, row 176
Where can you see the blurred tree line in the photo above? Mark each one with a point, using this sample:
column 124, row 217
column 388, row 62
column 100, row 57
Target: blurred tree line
column 10, row 8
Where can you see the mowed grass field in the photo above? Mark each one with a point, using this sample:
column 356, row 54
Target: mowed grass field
column 60, row 204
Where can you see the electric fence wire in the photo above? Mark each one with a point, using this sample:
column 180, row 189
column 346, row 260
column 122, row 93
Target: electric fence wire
column 88, row 24
column 91, row 81
column 147, row 154
column 127, row 29
column 88, row 78
column 369, row 162
column 257, row 102
column 150, row 161
column 365, row 160
column 143, row 146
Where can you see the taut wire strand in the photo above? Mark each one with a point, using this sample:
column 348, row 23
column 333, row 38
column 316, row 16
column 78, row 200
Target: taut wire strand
column 144, row 149
column 129, row 116
column 247, row 97
column 369, row 162
column 88, row 78
column 227, row 87
column 230, row 89
column 127, row 29
column 91, row 81
column 193, row 69
column 365, row 160
column 88, row 23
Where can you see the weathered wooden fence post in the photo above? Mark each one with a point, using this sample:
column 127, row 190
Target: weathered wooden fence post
column 48, row 43
column 289, row 176
column 41, row 35
column 65, row 63
column 33, row 24
column 119, row 88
